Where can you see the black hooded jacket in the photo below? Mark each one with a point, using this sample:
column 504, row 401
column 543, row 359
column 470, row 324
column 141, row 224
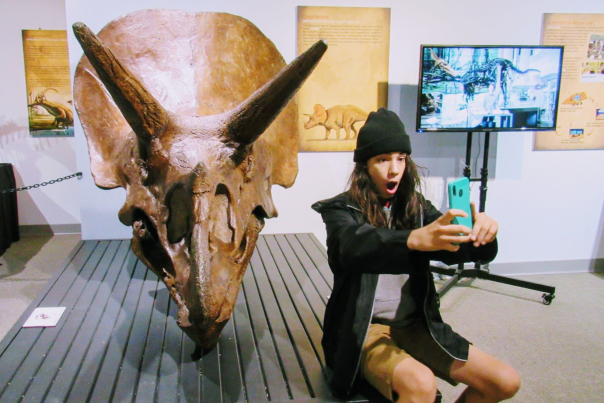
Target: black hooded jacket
column 358, row 253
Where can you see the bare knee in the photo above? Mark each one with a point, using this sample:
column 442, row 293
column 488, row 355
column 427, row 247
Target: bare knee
column 508, row 383
column 501, row 387
column 488, row 378
column 415, row 383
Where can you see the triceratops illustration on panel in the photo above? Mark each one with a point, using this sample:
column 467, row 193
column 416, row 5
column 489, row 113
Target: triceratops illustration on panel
column 190, row 113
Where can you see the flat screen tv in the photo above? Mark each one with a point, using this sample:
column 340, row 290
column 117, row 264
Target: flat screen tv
column 488, row 88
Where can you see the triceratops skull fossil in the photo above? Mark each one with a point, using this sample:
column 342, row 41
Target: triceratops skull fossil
column 190, row 113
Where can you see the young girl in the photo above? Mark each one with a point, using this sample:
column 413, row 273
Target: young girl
column 382, row 322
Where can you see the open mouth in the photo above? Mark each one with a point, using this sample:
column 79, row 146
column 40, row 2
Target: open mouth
column 391, row 186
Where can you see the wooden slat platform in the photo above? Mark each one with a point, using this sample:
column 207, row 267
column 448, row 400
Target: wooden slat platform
column 118, row 340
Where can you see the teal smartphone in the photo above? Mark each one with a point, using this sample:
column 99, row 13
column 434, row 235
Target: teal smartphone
column 459, row 198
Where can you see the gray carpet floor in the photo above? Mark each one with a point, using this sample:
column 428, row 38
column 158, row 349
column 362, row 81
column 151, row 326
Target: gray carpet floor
column 558, row 349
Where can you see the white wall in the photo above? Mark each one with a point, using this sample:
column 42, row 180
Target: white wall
column 34, row 160
column 549, row 204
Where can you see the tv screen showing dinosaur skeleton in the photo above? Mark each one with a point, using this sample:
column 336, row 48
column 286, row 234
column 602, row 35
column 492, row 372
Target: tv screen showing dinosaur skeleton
column 488, row 88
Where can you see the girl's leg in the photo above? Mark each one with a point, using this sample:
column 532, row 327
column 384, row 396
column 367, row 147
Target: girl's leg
column 392, row 371
column 413, row 382
column 488, row 379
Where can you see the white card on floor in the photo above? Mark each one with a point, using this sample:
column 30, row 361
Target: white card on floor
column 44, row 317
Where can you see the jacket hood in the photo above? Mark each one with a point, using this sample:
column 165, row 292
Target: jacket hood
column 343, row 199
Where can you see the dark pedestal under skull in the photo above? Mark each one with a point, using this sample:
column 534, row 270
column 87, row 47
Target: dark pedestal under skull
column 191, row 114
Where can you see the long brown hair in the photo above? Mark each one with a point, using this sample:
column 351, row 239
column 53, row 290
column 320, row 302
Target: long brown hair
column 406, row 203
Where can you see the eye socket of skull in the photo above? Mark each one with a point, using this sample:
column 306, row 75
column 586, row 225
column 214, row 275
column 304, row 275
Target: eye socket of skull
column 260, row 214
column 179, row 221
column 144, row 227
column 222, row 216
column 148, row 245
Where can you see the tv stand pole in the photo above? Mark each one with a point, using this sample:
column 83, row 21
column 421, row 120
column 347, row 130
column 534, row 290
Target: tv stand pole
column 478, row 272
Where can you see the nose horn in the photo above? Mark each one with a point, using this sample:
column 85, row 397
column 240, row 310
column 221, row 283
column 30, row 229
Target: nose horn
column 251, row 118
column 141, row 110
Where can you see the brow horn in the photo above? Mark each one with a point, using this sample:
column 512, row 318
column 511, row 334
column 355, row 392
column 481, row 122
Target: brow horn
column 251, row 118
column 142, row 111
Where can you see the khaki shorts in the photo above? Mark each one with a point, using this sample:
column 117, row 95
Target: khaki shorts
column 385, row 347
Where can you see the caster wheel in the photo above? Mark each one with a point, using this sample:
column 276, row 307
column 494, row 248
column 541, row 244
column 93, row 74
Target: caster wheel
column 548, row 298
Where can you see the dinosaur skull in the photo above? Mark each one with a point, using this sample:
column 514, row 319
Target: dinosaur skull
column 190, row 113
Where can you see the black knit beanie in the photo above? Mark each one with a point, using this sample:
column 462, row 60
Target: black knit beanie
column 382, row 133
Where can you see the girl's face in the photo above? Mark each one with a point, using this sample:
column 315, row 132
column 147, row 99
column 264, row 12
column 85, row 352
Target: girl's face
column 387, row 170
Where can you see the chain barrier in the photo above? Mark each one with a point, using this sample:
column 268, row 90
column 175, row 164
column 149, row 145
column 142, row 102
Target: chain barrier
column 78, row 175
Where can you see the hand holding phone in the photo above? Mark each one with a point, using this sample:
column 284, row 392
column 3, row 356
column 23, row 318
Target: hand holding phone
column 459, row 198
